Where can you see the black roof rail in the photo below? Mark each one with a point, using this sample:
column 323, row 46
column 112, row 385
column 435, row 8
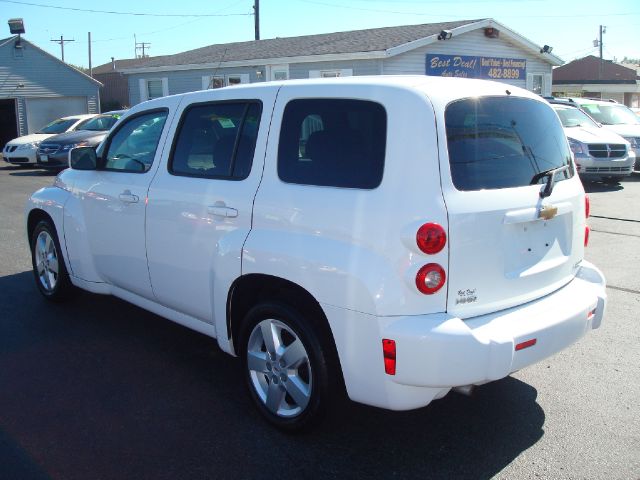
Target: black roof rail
column 610, row 100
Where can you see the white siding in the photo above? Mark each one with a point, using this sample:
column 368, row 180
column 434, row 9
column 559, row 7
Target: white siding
column 473, row 44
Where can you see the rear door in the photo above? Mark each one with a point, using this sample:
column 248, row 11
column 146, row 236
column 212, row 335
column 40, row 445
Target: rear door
column 200, row 204
column 508, row 244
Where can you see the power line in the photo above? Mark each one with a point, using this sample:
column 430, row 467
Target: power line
column 137, row 14
column 376, row 10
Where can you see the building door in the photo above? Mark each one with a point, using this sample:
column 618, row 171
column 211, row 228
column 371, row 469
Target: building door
column 41, row 111
column 8, row 121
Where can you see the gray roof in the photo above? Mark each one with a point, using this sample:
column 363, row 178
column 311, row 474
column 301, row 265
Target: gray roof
column 6, row 40
column 119, row 65
column 371, row 40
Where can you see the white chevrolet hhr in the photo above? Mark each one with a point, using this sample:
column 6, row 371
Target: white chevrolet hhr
column 389, row 237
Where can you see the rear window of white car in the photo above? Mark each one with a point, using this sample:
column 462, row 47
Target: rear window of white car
column 333, row 142
column 503, row 142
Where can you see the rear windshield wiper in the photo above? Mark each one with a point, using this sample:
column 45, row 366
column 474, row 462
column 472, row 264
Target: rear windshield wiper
column 550, row 175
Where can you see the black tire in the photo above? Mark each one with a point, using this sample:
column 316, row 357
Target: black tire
column 313, row 379
column 49, row 269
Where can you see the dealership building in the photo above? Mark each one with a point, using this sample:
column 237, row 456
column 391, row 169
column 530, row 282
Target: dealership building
column 480, row 48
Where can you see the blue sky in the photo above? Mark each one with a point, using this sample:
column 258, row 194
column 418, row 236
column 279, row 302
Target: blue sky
column 569, row 26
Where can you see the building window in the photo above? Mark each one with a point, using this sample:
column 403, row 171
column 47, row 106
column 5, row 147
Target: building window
column 154, row 89
column 338, row 72
column 216, row 81
column 278, row 72
column 219, row 81
column 537, row 82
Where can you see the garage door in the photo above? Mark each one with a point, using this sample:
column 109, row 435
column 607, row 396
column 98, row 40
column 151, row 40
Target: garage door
column 41, row 111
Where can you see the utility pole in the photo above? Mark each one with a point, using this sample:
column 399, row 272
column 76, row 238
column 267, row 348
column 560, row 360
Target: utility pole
column 256, row 14
column 62, row 42
column 90, row 67
column 603, row 29
column 142, row 46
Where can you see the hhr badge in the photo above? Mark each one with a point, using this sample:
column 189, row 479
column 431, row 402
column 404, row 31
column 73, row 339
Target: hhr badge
column 548, row 212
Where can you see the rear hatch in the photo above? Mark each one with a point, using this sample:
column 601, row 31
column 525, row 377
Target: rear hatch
column 508, row 243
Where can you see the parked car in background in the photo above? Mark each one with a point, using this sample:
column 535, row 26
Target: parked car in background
column 23, row 150
column 616, row 117
column 399, row 237
column 598, row 152
column 53, row 153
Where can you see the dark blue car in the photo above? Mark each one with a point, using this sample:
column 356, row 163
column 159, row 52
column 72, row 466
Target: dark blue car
column 53, row 152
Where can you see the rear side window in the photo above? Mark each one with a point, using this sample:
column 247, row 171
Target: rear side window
column 216, row 140
column 502, row 142
column 333, row 142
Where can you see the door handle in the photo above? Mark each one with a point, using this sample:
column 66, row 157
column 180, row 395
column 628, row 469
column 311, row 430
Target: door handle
column 222, row 211
column 128, row 197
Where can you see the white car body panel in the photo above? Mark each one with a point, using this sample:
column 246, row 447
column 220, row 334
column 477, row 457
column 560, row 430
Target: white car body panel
column 353, row 250
column 342, row 258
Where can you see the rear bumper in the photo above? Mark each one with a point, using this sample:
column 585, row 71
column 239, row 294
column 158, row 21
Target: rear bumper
column 438, row 352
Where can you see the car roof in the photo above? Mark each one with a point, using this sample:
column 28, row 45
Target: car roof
column 78, row 117
column 591, row 101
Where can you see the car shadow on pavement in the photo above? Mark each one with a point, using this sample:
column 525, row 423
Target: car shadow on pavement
column 98, row 388
column 35, row 173
column 598, row 186
column 27, row 171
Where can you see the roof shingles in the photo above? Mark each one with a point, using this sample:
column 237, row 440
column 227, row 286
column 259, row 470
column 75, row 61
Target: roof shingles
column 371, row 40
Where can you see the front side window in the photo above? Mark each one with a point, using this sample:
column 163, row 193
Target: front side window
column 133, row 147
column 612, row 114
column 333, row 142
column 502, row 142
column 100, row 123
column 216, row 140
column 574, row 117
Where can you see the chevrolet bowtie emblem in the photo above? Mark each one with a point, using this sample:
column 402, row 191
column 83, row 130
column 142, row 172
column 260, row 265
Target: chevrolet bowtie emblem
column 548, row 212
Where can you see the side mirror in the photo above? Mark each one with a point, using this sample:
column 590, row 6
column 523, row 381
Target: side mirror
column 83, row 158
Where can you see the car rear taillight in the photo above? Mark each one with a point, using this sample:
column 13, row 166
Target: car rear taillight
column 389, row 355
column 431, row 238
column 587, row 206
column 430, row 278
column 587, row 212
column 587, row 230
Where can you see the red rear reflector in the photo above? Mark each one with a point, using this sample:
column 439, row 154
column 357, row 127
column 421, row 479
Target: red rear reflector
column 431, row 238
column 430, row 278
column 527, row 344
column 587, row 206
column 389, row 354
column 586, row 235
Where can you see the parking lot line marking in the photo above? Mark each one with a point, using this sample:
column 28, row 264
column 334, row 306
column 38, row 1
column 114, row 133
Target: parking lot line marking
column 616, row 233
column 622, row 289
column 614, row 218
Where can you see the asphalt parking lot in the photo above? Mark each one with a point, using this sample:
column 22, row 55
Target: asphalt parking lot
column 99, row 389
